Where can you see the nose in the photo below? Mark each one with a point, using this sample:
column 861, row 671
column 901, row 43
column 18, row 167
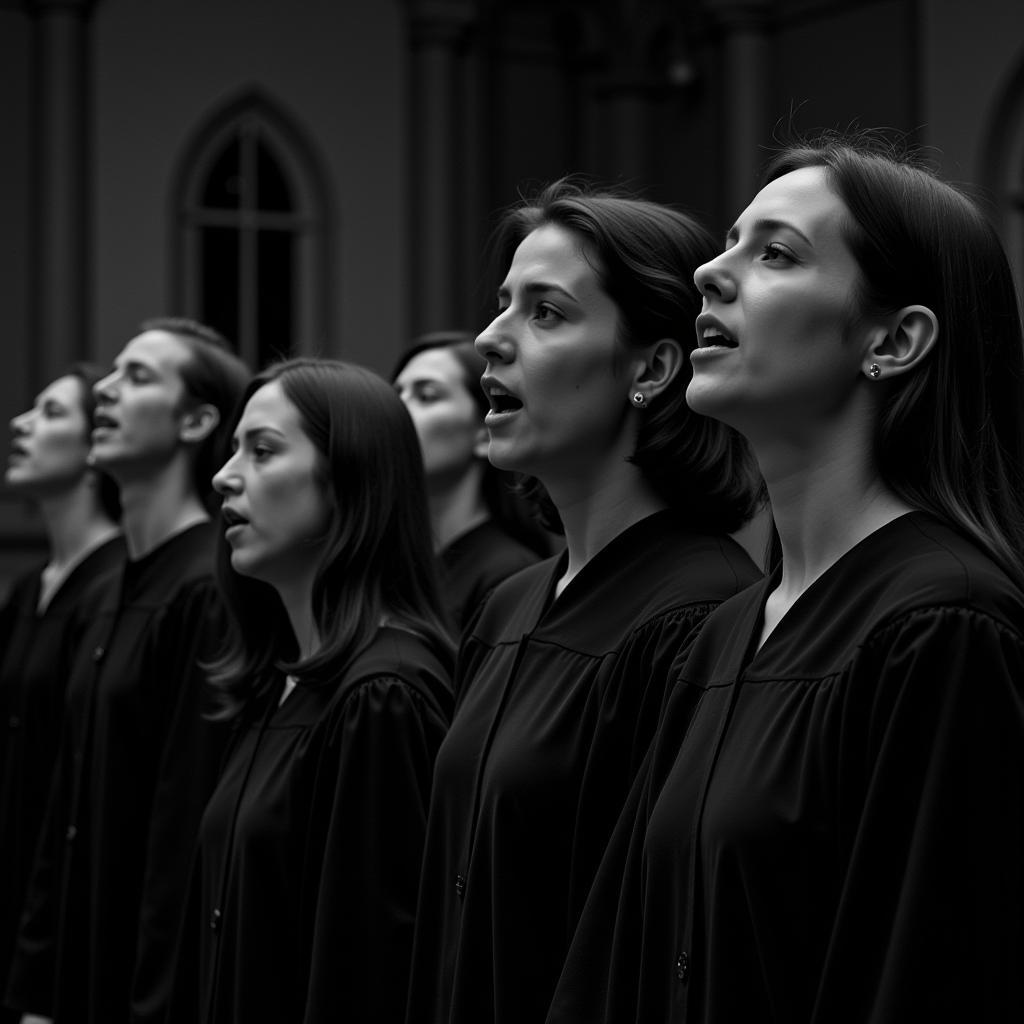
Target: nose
column 225, row 481
column 20, row 423
column 714, row 280
column 103, row 390
column 493, row 342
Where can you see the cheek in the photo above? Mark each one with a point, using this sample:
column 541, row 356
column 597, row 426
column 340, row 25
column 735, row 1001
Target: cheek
column 65, row 445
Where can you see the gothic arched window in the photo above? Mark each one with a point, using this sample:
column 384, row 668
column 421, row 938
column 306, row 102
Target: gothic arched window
column 251, row 229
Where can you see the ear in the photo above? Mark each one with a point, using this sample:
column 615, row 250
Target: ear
column 198, row 423
column 482, row 444
column 906, row 339
column 657, row 368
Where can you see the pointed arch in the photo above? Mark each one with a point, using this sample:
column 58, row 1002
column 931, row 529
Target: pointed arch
column 250, row 222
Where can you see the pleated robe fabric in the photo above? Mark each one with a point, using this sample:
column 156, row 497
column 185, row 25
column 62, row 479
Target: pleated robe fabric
column 557, row 700
column 831, row 830
column 36, row 652
column 474, row 564
column 136, row 765
column 303, row 892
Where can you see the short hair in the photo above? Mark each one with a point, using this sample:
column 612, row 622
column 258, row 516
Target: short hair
column 950, row 437
column 379, row 558
column 500, row 489
column 644, row 254
column 213, row 375
column 108, row 493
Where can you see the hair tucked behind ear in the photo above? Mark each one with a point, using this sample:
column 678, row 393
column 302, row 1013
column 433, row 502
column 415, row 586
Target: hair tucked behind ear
column 378, row 562
column 950, row 439
column 644, row 255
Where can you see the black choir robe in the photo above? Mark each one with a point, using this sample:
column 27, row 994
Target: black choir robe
column 36, row 652
column 303, row 891
column 135, row 767
column 474, row 564
column 832, row 827
column 557, row 700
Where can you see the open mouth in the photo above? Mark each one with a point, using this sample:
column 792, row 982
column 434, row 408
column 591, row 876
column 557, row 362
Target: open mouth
column 714, row 337
column 502, row 400
column 101, row 421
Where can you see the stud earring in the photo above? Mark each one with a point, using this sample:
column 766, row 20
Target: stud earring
column 874, row 371
column 640, row 400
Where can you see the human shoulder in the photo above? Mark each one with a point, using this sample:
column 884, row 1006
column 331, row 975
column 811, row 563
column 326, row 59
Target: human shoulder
column 398, row 659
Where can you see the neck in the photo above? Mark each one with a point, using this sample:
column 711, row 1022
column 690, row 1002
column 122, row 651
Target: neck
column 595, row 511
column 825, row 497
column 457, row 508
column 298, row 604
column 157, row 507
column 75, row 524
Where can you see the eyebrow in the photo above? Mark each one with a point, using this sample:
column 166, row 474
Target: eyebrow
column 538, row 288
column 766, row 224
column 256, row 431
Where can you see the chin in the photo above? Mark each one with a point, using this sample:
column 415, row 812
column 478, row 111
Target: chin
column 703, row 397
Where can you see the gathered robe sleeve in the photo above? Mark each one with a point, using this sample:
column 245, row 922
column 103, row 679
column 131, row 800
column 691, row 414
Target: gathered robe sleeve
column 929, row 919
column 369, row 820
column 830, row 826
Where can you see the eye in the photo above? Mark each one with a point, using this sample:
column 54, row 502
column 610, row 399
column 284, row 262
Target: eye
column 773, row 252
column 546, row 313
column 428, row 393
column 53, row 411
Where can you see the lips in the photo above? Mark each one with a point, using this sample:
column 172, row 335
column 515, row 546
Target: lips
column 711, row 333
column 103, row 421
column 232, row 518
column 502, row 400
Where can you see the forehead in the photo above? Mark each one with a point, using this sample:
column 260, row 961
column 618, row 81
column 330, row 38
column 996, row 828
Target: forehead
column 270, row 407
column 433, row 364
column 66, row 390
column 803, row 198
column 161, row 350
column 553, row 251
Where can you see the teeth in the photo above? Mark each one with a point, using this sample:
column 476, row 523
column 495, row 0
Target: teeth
column 500, row 392
column 712, row 332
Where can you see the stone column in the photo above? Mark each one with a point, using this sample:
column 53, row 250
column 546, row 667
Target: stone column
column 744, row 26
column 60, row 304
column 438, row 29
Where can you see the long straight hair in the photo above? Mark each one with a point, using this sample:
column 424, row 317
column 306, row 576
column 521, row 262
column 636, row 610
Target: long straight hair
column 950, row 437
column 378, row 563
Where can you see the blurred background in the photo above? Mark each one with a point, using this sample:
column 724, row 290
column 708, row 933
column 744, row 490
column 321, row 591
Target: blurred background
column 321, row 176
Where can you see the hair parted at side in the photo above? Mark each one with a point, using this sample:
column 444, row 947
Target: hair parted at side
column 950, row 438
column 213, row 375
column 500, row 489
column 644, row 254
column 378, row 564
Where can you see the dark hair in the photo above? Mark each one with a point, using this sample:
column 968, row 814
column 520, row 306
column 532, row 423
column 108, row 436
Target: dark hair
column 950, row 437
column 500, row 489
column 108, row 493
column 215, row 376
column 378, row 562
column 644, row 255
